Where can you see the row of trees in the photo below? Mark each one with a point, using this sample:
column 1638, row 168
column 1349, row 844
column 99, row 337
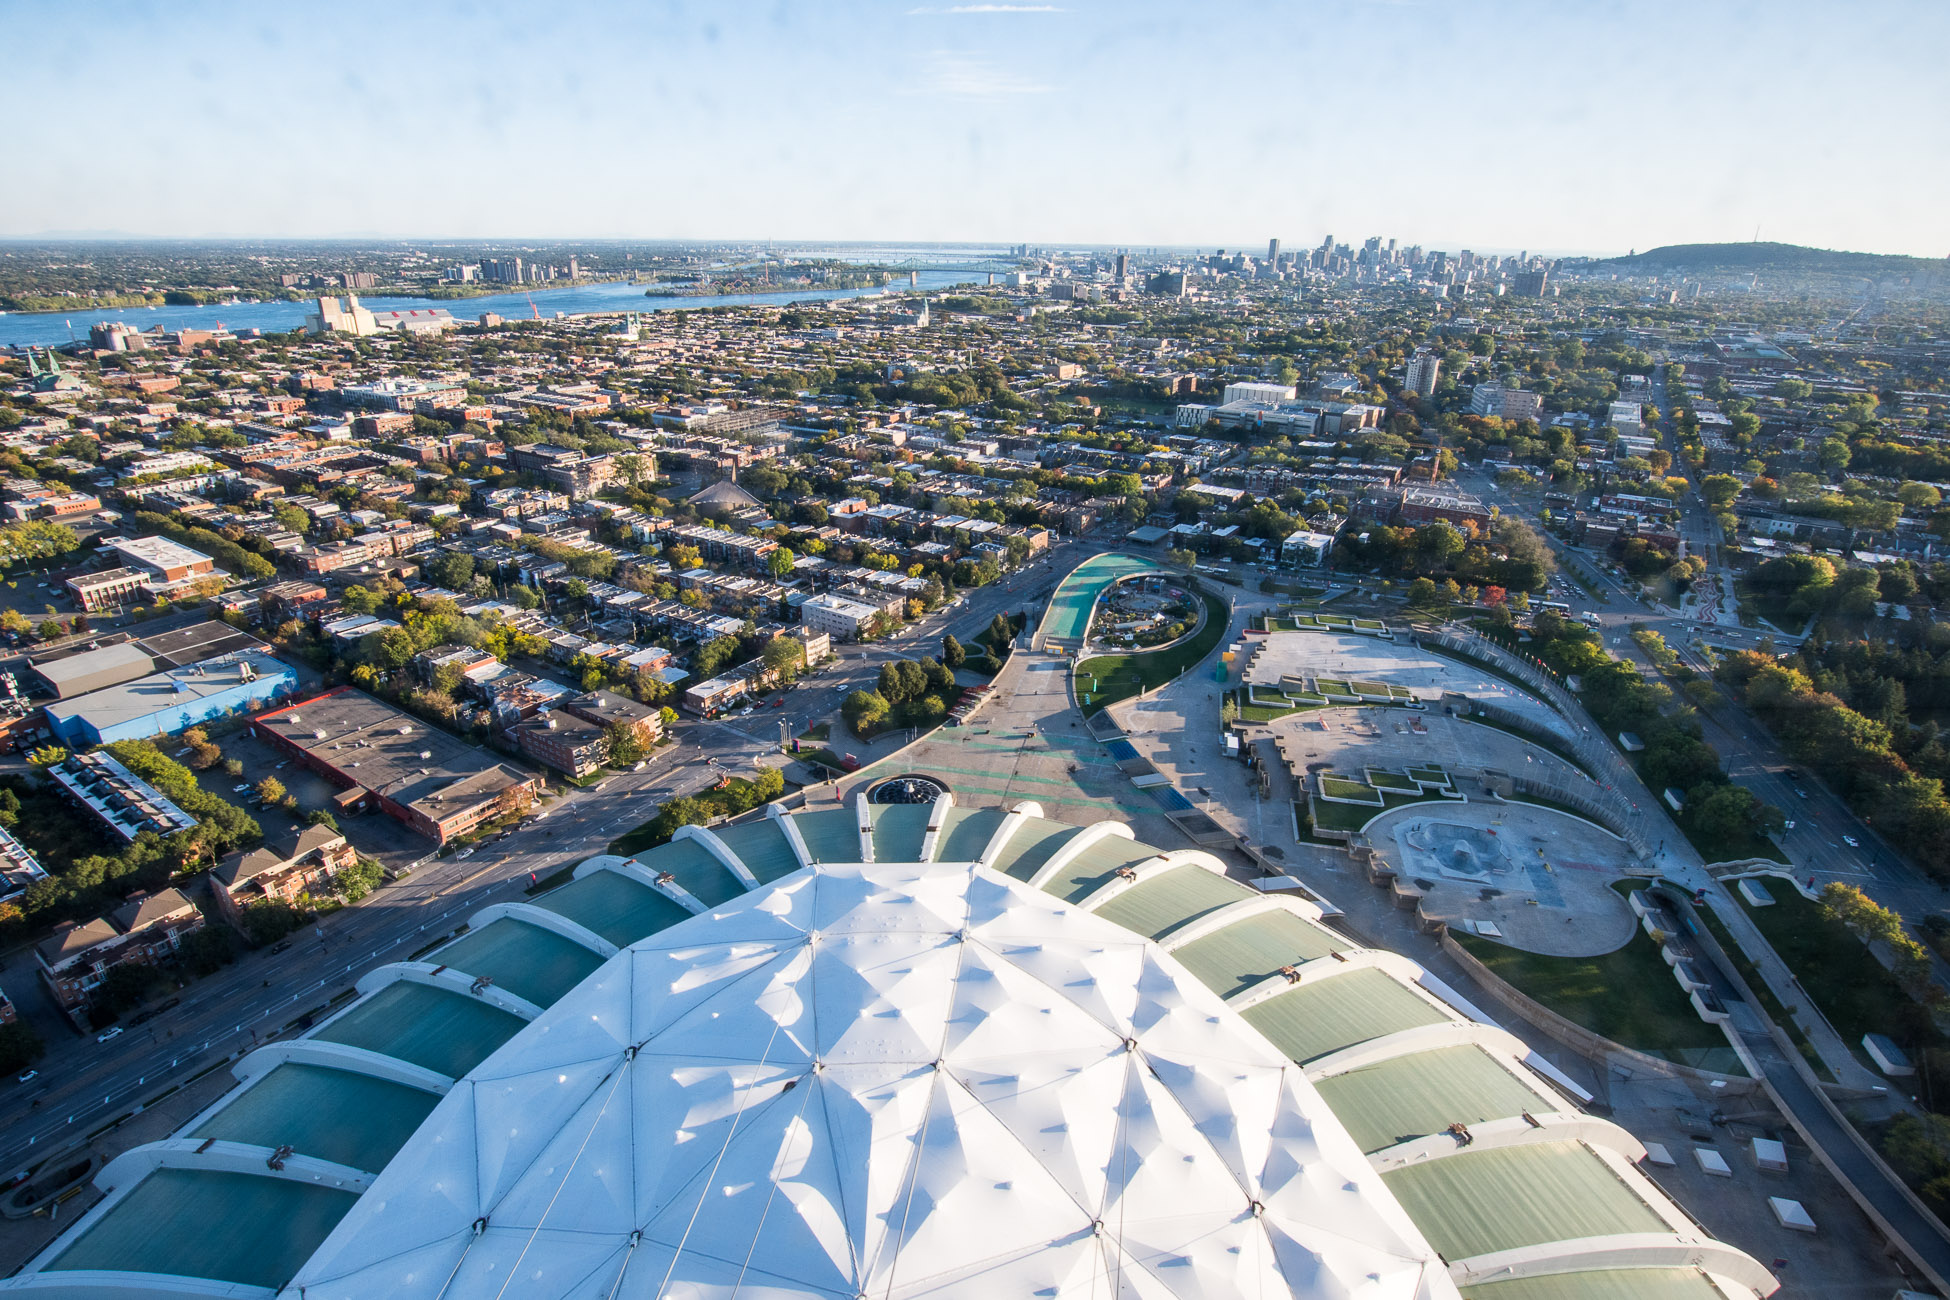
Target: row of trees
column 1857, row 755
column 1724, row 816
column 1507, row 554
column 910, row 693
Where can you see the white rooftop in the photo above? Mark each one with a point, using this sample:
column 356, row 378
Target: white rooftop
column 891, row 1080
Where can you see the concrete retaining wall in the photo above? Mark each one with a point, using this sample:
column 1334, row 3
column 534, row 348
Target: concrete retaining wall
column 1576, row 1036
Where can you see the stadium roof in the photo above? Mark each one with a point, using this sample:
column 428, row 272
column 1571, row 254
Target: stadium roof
column 895, row 1051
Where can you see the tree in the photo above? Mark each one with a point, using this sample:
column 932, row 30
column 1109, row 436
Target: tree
column 952, row 653
column 624, row 745
column 784, row 657
column 523, row 596
column 1000, row 634
column 780, row 562
column 49, row 629
column 865, row 711
column 1228, row 712
column 271, row 790
column 20, row 1046
column 15, row 622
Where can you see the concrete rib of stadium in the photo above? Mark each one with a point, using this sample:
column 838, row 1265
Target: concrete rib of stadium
column 891, row 1051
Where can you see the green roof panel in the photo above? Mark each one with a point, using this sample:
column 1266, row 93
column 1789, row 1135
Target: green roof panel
column 831, row 834
column 1095, row 866
column 1479, row 1202
column 1323, row 1016
column 966, row 832
column 528, row 961
column 1156, row 907
column 337, row 1115
column 696, row 869
column 1247, row 951
column 1033, row 844
column 614, row 906
column 241, row 1228
column 1423, row 1093
column 1602, row 1284
column 899, row 829
column 434, row 1028
column 762, row 846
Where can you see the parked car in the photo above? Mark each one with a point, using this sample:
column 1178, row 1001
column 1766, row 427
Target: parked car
column 240, row 788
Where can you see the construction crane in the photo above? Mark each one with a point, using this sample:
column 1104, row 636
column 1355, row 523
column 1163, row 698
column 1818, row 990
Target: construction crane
column 533, row 310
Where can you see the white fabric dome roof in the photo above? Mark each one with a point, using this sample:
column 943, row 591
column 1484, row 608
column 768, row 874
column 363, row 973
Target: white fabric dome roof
column 886, row 1080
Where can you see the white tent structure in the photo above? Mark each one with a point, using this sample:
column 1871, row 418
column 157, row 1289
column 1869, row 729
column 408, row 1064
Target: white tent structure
column 886, row 1081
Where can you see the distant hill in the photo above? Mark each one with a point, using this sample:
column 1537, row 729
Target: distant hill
column 1705, row 258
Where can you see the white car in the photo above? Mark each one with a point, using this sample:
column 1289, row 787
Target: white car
column 239, row 789
column 114, row 1031
column 1851, row 841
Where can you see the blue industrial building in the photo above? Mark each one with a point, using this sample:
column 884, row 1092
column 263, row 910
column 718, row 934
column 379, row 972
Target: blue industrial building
column 166, row 703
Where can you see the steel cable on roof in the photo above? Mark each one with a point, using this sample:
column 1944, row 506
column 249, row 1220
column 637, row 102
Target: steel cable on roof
column 934, row 1091
column 737, row 1117
column 615, row 1082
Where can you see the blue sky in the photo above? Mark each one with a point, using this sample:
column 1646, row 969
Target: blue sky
column 1571, row 126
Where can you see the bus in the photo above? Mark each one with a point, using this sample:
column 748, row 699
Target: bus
column 1551, row 606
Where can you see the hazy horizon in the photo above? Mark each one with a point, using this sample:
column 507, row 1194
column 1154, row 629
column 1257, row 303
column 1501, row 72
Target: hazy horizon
column 1493, row 126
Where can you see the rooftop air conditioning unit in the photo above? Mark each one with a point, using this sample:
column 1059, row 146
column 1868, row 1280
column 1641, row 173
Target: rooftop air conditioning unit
column 426, row 754
column 319, row 734
column 406, row 731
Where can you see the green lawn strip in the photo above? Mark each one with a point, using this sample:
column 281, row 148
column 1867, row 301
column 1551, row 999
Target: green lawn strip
column 1769, row 1003
column 1628, row 996
column 1734, row 848
column 1342, row 787
column 1392, row 781
column 1118, row 677
column 1352, row 817
column 1839, row 973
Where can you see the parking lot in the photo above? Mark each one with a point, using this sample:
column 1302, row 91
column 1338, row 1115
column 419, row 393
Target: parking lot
column 373, row 834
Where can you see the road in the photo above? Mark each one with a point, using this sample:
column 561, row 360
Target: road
column 83, row 1084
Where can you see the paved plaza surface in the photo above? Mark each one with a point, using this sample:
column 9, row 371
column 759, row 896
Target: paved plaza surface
column 1391, row 663
column 1543, row 879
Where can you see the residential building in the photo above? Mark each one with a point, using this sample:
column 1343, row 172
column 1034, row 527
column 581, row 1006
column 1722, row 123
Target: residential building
column 836, row 616
column 1424, row 368
column 305, row 862
column 117, row 797
column 19, row 868
column 1505, row 403
column 147, row 930
column 607, row 709
column 563, row 741
column 708, row 699
column 1427, row 505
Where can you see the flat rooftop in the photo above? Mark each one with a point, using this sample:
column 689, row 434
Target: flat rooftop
column 391, row 753
column 175, row 687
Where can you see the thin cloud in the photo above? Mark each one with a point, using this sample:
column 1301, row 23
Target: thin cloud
column 973, row 79
column 990, row 9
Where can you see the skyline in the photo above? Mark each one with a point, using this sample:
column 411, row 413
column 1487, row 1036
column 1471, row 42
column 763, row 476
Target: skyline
column 1054, row 124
